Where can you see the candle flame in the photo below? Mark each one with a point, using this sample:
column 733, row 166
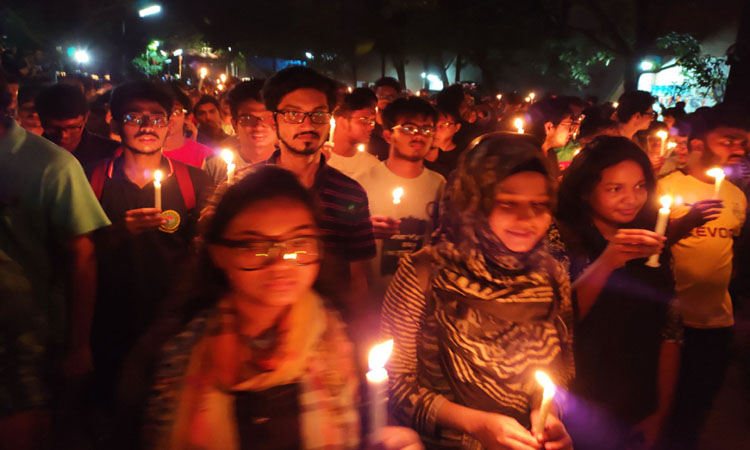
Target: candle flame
column 379, row 355
column 528, row 99
column 361, row 147
column 576, row 152
column 532, row 95
column 544, row 380
column 223, row 77
column 716, row 172
column 499, row 96
column 158, row 176
column 518, row 123
column 671, row 145
column 615, row 105
column 662, row 134
column 397, row 194
column 419, row 93
column 349, row 89
column 203, row 72
column 227, row 156
column 666, row 201
column 290, row 256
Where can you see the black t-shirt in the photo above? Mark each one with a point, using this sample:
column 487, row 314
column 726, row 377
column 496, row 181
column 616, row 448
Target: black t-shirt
column 445, row 163
column 377, row 145
column 135, row 272
column 94, row 149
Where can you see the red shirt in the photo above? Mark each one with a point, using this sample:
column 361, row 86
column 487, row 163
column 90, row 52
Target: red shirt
column 191, row 153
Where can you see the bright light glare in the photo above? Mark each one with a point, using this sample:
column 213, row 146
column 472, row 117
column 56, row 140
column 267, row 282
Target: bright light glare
column 647, row 65
column 149, row 10
column 81, row 56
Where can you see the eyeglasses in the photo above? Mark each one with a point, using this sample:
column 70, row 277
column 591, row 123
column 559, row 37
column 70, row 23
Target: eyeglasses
column 140, row 120
column 445, row 124
column 253, row 121
column 179, row 112
column 297, row 117
column 412, row 129
column 53, row 129
column 256, row 254
column 387, row 98
column 367, row 121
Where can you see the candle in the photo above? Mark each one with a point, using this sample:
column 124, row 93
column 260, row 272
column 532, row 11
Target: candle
column 671, row 145
column 228, row 157
column 615, row 105
column 661, row 226
column 157, row 189
column 547, row 396
column 397, row 194
column 361, row 148
column 223, row 77
column 499, row 96
column 349, row 89
column 532, row 96
column 718, row 174
column 203, row 72
column 377, row 383
column 663, row 135
column 333, row 128
column 528, row 99
column 519, row 125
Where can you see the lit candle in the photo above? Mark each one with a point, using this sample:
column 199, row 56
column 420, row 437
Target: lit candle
column 419, row 93
column 349, row 89
column 333, row 128
column 615, row 105
column 661, row 226
column 223, row 77
column 228, row 157
column 361, row 148
column 547, row 397
column 663, row 135
column 397, row 194
column 519, row 125
column 528, row 99
column 377, row 383
column 157, row 189
column 499, row 96
column 203, row 72
column 671, row 145
column 718, row 174
column 532, row 96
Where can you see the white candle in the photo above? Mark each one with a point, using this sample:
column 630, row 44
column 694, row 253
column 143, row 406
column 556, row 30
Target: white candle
column 361, row 148
column 519, row 125
column 333, row 128
column 718, row 174
column 661, row 226
column 547, row 397
column 157, row 189
column 377, row 383
column 228, row 157
column 532, row 96
column 499, row 96
column 397, row 194
column 663, row 135
column 203, row 73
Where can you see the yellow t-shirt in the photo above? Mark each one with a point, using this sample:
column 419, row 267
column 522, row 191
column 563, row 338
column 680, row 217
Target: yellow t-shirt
column 703, row 259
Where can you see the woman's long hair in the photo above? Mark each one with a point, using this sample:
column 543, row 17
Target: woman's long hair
column 584, row 174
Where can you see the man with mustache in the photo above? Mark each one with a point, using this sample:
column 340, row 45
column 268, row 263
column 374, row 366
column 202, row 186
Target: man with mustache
column 409, row 127
column 703, row 262
column 140, row 254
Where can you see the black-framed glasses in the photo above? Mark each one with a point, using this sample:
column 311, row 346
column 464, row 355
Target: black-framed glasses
column 412, row 129
column 297, row 117
column 140, row 120
column 250, row 120
column 54, row 129
column 254, row 254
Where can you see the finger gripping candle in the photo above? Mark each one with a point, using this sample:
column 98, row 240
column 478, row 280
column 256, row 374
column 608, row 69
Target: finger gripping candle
column 377, row 383
column 661, row 226
column 157, row 189
column 547, row 396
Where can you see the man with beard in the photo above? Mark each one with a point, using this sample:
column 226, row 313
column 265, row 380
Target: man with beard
column 140, row 254
column 355, row 120
column 708, row 225
column 301, row 101
column 63, row 111
column 400, row 228
column 210, row 132
column 387, row 90
column 256, row 140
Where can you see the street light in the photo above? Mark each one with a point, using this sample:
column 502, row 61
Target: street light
column 178, row 54
column 308, row 55
column 646, row 65
column 149, row 11
column 81, row 56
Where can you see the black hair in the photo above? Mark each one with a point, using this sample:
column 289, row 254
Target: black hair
column 682, row 127
column 139, row 90
column 359, row 98
column 209, row 283
column 450, row 99
column 721, row 115
column 585, row 172
column 387, row 82
column 60, row 102
column 553, row 110
column 450, row 113
column 27, row 93
column 181, row 97
column 297, row 77
column 243, row 92
column 5, row 96
column 408, row 107
column 632, row 103
column 204, row 100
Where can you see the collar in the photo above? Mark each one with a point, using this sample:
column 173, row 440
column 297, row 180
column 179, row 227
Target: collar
column 115, row 167
column 319, row 174
column 14, row 136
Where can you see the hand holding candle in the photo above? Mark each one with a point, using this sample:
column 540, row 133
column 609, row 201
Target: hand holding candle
column 397, row 194
column 377, row 382
column 663, row 135
column 228, row 157
column 661, row 226
column 333, row 129
column 518, row 123
column 157, row 189
column 549, row 394
column 718, row 174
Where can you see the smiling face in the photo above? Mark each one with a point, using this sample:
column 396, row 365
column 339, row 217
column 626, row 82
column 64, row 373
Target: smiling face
column 521, row 215
column 307, row 137
column 254, row 125
column 281, row 282
column 620, row 194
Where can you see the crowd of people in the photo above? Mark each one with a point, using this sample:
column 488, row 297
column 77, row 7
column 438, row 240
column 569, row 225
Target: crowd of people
column 195, row 268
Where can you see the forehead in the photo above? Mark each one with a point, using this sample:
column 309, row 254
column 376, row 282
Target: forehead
column 385, row 90
column 364, row 112
column 272, row 217
column 622, row 172
column 65, row 122
column 416, row 120
column 250, row 106
column 206, row 107
column 304, row 99
column 139, row 105
column 728, row 133
column 527, row 184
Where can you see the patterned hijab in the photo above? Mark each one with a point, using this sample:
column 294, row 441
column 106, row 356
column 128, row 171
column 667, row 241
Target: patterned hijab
column 502, row 314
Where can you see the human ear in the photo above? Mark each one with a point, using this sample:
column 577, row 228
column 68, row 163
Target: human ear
column 387, row 135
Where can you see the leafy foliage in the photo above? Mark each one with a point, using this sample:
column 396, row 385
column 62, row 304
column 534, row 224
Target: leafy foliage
column 703, row 73
column 151, row 62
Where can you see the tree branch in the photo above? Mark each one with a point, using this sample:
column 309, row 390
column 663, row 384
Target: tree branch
column 594, row 38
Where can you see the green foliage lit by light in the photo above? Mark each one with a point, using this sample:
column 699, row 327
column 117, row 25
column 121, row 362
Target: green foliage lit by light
column 703, row 73
column 151, row 62
column 579, row 65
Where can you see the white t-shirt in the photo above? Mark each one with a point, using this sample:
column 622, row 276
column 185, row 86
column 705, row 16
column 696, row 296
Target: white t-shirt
column 703, row 259
column 419, row 205
column 353, row 166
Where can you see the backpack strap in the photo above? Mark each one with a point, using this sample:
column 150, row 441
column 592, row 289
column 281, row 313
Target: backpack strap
column 185, row 183
column 97, row 178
